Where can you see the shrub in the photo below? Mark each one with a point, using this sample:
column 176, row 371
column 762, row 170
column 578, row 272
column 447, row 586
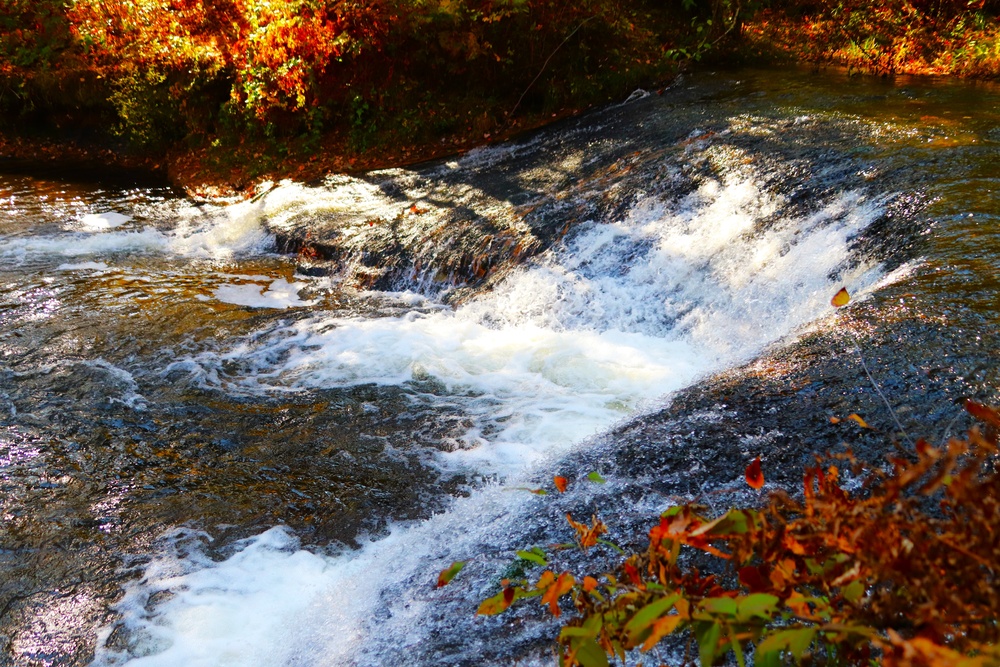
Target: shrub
column 904, row 571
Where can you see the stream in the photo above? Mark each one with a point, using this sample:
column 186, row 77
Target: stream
column 253, row 432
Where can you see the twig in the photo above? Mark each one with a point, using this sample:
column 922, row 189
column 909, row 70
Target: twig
column 878, row 391
column 544, row 65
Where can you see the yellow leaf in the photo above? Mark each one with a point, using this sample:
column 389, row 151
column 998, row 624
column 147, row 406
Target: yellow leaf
column 447, row 574
column 840, row 298
column 494, row 605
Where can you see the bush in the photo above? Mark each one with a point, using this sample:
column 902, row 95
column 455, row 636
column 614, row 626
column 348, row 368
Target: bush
column 904, row 571
column 299, row 67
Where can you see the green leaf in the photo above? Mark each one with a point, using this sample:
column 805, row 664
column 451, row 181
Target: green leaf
column 733, row 522
column 769, row 659
column 708, row 635
column 800, row 641
column 719, row 606
column 794, row 641
column 447, row 574
column 596, row 478
column 854, row 591
column 584, row 633
column 537, row 492
column 590, row 654
column 757, row 605
column 614, row 546
column 737, row 649
column 535, row 555
column 647, row 615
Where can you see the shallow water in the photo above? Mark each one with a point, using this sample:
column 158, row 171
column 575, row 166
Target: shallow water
column 182, row 408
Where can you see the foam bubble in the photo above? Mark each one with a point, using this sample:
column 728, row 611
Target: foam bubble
column 279, row 294
column 83, row 266
column 96, row 222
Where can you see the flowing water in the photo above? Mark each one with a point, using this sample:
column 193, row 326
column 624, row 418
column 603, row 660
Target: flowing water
column 216, row 453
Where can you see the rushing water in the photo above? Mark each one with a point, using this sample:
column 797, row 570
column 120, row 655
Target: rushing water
column 215, row 454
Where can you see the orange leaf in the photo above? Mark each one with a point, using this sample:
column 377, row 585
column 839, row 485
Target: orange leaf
column 562, row 585
column 840, row 298
column 834, row 420
column 661, row 628
column 561, row 483
column 754, row 476
column 586, row 535
column 856, row 417
column 589, row 584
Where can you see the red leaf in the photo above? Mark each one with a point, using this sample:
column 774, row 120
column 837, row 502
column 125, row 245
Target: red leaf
column 754, row 476
column 983, row 413
column 561, row 483
column 755, row 578
column 633, row 575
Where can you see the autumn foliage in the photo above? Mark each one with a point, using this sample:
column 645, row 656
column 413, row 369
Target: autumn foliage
column 164, row 71
column 902, row 570
column 952, row 37
column 292, row 75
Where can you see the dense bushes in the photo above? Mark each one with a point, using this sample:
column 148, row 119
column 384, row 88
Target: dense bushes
column 353, row 74
column 161, row 71
column 896, row 36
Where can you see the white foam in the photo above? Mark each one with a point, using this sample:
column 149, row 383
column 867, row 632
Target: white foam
column 271, row 604
column 533, row 389
column 83, row 266
column 624, row 313
column 214, row 232
column 77, row 245
column 97, row 222
column 225, row 612
column 279, row 294
column 130, row 388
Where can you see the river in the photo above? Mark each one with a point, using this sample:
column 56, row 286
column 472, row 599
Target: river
column 253, row 432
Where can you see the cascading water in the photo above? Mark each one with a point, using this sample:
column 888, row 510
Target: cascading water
column 621, row 312
column 195, row 408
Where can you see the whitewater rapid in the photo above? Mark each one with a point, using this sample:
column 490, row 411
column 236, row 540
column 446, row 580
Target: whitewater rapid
column 601, row 326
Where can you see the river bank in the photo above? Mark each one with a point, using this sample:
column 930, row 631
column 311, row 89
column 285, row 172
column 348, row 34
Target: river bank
column 236, row 172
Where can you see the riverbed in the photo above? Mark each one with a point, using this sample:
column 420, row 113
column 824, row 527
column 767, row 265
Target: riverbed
column 252, row 432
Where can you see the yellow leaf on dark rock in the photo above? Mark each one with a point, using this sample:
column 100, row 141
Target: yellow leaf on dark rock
column 840, row 298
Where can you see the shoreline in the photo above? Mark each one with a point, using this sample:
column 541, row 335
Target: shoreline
column 204, row 174
column 235, row 172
